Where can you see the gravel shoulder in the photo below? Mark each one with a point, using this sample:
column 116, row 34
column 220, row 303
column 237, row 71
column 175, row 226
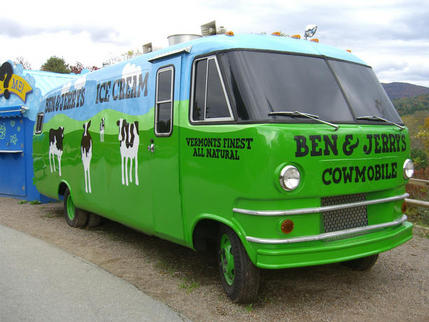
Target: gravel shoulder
column 396, row 289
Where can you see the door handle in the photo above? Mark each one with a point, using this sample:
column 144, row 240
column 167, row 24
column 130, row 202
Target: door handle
column 151, row 147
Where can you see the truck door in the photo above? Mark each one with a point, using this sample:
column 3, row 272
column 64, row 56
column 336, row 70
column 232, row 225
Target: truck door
column 163, row 147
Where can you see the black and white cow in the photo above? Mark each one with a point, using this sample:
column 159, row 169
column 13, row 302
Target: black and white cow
column 86, row 152
column 102, row 130
column 56, row 148
column 129, row 141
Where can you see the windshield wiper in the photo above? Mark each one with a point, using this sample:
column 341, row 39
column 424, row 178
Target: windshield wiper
column 305, row 115
column 378, row 118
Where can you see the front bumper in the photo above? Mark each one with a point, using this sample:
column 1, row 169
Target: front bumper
column 329, row 250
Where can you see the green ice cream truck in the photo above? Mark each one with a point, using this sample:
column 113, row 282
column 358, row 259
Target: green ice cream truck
column 278, row 152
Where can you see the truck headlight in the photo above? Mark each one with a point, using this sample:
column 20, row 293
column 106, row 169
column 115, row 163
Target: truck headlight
column 408, row 169
column 289, row 178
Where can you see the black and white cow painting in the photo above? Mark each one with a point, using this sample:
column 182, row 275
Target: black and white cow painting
column 129, row 141
column 86, row 152
column 102, row 130
column 55, row 148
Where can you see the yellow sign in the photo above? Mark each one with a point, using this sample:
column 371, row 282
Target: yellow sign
column 18, row 86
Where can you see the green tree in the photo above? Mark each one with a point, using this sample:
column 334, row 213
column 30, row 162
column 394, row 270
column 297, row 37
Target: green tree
column 419, row 158
column 409, row 105
column 56, row 65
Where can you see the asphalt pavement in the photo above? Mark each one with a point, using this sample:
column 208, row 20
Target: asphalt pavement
column 40, row 282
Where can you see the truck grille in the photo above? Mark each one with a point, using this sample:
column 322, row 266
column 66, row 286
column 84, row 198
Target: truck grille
column 344, row 218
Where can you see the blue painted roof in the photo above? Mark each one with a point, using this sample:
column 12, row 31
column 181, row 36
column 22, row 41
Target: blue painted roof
column 141, row 65
column 260, row 42
column 45, row 81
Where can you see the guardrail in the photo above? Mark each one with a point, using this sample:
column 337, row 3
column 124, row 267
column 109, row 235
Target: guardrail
column 415, row 202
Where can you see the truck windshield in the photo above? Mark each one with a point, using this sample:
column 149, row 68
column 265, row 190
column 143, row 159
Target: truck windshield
column 260, row 83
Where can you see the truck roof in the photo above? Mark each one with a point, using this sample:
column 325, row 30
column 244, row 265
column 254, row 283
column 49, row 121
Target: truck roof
column 205, row 45
column 209, row 44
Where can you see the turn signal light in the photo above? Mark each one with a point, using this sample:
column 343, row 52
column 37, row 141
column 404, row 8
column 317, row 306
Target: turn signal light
column 296, row 37
column 276, row 33
column 229, row 33
column 314, row 40
column 349, row 51
column 287, row 226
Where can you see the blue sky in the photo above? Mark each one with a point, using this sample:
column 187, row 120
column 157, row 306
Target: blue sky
column 391, row 35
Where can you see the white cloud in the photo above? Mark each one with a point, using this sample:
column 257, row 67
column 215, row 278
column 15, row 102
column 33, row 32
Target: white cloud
column 384, row 32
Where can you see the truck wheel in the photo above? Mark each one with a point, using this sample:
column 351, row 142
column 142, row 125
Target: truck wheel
column 75, row 217
column 361, row 264
column 240, row 278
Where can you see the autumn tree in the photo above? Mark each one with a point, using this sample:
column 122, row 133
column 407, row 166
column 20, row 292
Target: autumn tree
column 423, row 134
column 77, row 68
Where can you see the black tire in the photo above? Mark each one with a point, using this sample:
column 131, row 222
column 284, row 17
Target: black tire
column 74, row 216
column 240, row 278
column 361, row 264
column 94, row 220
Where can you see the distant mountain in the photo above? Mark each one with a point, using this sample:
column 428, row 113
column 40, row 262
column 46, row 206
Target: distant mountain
column 400, row 90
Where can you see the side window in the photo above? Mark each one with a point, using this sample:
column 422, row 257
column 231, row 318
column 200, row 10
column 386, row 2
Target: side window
column 164, row 101
column 210, row 102
column 39, row 123
column 200, row 90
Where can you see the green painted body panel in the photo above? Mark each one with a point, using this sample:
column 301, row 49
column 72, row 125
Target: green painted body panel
column 215, row 186
column 142, row 206
column 204, row 171
column 211, row 183
column 107, row 197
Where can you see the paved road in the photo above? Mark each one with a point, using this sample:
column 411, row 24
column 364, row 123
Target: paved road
column 39, row 282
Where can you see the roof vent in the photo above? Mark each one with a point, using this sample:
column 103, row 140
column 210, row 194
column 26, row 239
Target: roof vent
column 209, row 29
column 179, row 38
column 147, row 48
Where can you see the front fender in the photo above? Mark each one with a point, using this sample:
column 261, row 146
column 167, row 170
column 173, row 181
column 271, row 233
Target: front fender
column 233, row 224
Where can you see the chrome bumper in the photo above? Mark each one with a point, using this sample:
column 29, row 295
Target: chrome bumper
column 303, row 211
column 331, row 235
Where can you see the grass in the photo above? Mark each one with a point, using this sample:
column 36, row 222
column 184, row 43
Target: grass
column 33, row 202
column 189, row 285
column 418, row 215
column 49, row 215
column 249, row 307
column 165, row 266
